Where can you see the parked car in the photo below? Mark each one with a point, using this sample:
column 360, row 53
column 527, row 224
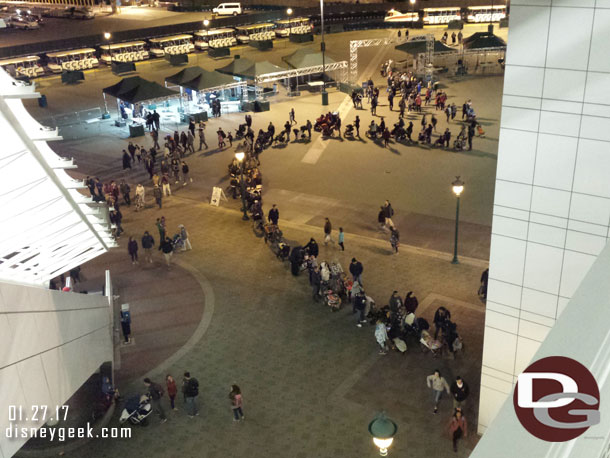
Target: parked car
column 83, row 13
column 228, row 9
column 23, row 22
column 71, row 12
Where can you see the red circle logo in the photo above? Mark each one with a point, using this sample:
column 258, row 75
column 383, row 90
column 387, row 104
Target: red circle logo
column 556, row 399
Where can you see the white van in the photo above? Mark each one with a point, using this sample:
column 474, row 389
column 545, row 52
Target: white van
column 227, row 9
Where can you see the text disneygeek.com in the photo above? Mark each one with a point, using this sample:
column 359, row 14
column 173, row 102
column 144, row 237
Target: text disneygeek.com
column 62, row 434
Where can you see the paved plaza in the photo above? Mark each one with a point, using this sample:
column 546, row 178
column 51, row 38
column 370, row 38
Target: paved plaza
column 230, row 312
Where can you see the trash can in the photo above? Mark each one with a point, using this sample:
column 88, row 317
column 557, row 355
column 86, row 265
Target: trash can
column 324, row 98
column 42, row 101
column 136, row 130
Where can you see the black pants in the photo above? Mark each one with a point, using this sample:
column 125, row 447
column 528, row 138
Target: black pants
column 457, row 434
column 127, row 199
column 341, row 245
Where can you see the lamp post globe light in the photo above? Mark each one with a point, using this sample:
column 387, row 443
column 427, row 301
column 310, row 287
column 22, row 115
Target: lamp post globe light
column 206, row 22
column 240, row 157
column 383, row 431
column 289, row 11
column 107, row 35
column 457, row 187
column 412, row 3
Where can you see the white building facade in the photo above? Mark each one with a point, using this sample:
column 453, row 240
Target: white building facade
column 552, row 198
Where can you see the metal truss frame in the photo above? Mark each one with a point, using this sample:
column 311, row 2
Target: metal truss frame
column 269, row 77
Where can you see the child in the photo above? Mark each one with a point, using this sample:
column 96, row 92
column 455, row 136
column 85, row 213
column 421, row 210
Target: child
column 172, row 390
column 341, row 238
column 236, row 403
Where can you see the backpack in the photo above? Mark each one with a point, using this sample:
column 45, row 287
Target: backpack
column 192, row 388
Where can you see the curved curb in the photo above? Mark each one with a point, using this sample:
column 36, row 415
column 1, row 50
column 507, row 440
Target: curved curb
column 204, row 324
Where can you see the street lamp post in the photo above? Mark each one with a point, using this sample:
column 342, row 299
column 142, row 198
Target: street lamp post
column 383, row 431
column 240, row 158
column 412, row 3
column 323, row 49
column 458, row 187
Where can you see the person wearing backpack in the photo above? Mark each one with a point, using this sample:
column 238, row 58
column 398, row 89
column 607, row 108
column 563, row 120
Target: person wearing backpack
column 190, row 388
column 155, row 392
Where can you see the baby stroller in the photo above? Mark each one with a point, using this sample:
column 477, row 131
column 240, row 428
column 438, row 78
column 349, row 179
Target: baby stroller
column 281, row 250
column 428, row 343
column 177, row 242
column 272, row 233
column 327, row 130
column 349, row 131
column 459, row 144
column 332, row 300
column 136, row 411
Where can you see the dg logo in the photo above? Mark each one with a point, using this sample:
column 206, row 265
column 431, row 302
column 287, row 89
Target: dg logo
column 557, row 399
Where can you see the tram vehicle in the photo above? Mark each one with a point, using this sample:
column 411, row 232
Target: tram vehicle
column 133, row 51
column 215, row 38
column 434, row 16
column 76, row 59
column 256, row 32
column 485, row 13
column 177, row 44
column 293, row 26
column 23, row 66
column 396, row 16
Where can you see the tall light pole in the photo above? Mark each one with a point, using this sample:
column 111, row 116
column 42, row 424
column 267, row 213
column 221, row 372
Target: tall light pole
column 458, row 187
column 240, row 157
column 323, row 49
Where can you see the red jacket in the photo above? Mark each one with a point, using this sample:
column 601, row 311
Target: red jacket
column 455, row 424
column 171, row 388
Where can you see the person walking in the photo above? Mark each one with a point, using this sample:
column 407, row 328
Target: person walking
column 447, row 137
column 360, row 306
column 236, row 403
column 438, row 384
column 125, row 190
column 158, row 195
column 148, row 242
column 168, row 250
column 167, row 190
column 126, row 160
column 132, row 249
column 184, row 236
column 458, row 427
column 328, row 227
column 156, row 119
column 394, row 239
column 190, row 140
column 434, row 121
column 484, row 281
column 172, row 390
column 140, row 196
column 460, row 391
column 381, row 219
column 291, row 117
column 155, row 392
column 190, row 388
column 341, row 239
column 202, row 137
column 356, row 269
column 374, row 106
column 357, row 125
column 155, row 138
column 401, row 106
column 274, row 215
column 470, row 135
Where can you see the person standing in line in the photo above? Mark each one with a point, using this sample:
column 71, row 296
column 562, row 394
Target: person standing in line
column 291, row 117
column 167, row 248
column 460, row 391
column 438, row 384
column 184, row 236
column 236, row 403
column 394, row 239
column 148, row 242
column 274, row 215
column 158, row 195
column 388, row 213
column 356, row 269
column 202, row 137
column 132, row 249
column 172, row 390
column 155, row 392
column 458, row 427
column 190, row 388
column 341, row 239
column 328, row 227
column 381, row 335
column 185, row 174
